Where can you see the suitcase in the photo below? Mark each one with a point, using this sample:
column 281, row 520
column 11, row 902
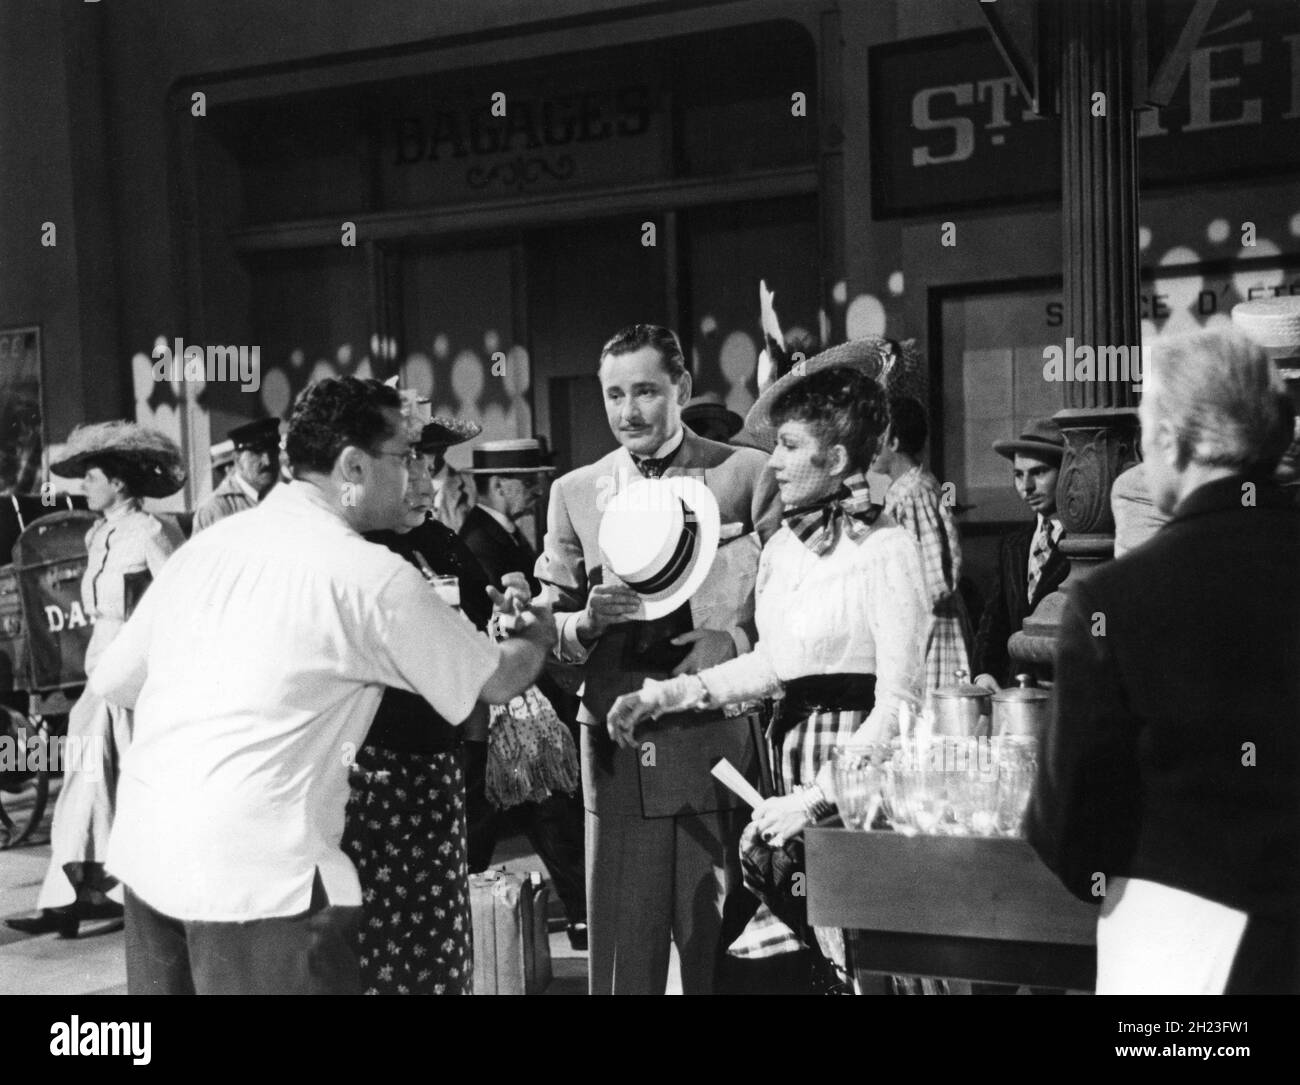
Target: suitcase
column 512, row 952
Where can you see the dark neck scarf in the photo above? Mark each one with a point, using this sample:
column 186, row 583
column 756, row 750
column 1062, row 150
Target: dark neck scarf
column 818, row 524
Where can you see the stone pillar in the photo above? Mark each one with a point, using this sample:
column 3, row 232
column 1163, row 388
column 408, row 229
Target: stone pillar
column 1095, row 42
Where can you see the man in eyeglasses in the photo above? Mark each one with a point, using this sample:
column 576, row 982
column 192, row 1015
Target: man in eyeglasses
column 255, row 664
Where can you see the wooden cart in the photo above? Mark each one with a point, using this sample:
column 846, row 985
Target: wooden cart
column 43, row 636
column 970, row 908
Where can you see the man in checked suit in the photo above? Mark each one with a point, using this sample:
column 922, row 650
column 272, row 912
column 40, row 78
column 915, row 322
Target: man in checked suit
column 662, row 836
column 1031, row 564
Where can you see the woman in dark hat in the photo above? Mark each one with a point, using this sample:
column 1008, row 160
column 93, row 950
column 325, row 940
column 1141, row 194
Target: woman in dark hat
column 120, row 463
column 842, row 615
column 405, row 825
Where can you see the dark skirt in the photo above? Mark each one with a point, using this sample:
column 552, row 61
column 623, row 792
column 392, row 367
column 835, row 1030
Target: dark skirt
column 405, row 832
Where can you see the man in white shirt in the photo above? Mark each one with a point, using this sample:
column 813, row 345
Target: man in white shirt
column 255, row 664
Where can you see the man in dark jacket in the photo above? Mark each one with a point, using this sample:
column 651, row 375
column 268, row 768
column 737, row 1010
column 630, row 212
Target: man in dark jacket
column 1031, row 564
column 1169, row 782
column 509, row 477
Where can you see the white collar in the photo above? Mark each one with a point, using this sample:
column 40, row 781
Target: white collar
column 117, row 512
column 669, row 446
column 244, row 485
column 500, row 517
column 1057, row 529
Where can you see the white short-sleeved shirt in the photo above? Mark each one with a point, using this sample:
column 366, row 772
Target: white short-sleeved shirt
column 255, row 664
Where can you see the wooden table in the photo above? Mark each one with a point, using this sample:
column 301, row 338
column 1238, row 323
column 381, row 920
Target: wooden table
column 971, row 908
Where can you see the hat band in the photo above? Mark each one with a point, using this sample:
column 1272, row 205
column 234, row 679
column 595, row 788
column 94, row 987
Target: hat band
column 507, row 460
column 676, row 564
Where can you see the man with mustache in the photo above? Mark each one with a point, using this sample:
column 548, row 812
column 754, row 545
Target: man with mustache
column 662, row 848
column 256, row 470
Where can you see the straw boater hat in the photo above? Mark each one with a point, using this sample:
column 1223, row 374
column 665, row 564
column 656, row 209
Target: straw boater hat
column 897, row 366
column 519, row 456
column 1041, row 438
column 1274, row 323
column 153, row 455
column 659, row 537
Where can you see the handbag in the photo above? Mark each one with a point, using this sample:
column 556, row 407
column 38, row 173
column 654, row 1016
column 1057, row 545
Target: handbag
column 530, row 752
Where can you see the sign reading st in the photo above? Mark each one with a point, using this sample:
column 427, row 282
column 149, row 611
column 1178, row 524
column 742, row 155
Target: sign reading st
column 970, row 138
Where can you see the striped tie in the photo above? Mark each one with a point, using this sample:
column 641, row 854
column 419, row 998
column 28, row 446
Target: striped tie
column 1045, row 539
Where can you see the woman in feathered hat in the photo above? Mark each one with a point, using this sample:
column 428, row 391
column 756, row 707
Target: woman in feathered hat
column 120, row 463
column 841, row 614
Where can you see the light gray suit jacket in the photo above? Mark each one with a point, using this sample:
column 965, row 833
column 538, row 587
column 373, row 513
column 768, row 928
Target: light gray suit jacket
column 571, row 564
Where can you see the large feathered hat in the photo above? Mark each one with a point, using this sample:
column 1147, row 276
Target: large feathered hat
column 153, row 456
column 897, row 366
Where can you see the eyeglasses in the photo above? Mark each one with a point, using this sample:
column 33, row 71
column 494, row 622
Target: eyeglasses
column 409, row 457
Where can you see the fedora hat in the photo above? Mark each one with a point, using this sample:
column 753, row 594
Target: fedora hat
column 659, row 537
column 897, row 366
column 1041, row 437
column 1273, row 323
column 154, row 456
column 709, row 409
column 444, row 431
column 518, row 456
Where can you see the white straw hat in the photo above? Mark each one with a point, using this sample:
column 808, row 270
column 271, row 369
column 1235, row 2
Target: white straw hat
column 1274, row 323
column 659, row 537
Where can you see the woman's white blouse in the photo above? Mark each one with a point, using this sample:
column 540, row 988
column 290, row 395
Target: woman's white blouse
column 860, row 609
column 124, row 540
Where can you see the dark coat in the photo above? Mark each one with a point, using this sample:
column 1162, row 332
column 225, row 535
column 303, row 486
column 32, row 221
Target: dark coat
column 405, row 721
column 1008, row 604
column 497, row 550
column 1174, row 752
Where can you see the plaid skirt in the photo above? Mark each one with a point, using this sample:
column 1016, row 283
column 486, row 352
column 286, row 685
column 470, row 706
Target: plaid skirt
column 804, row 749
column 405, row 831
column 947, row 649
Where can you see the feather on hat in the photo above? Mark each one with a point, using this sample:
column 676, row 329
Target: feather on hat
column 154, row 454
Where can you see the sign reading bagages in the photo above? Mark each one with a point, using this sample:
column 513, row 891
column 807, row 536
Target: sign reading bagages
column 50, row 560
column 512, row 952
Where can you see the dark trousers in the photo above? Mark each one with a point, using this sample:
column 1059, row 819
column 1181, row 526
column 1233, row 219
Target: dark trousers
column 309, row 954
column 554, row 828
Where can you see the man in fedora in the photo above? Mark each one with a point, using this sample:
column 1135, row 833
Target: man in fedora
column 1030, row 562
column 508, row 476
column 708, row 416
column 662, row 838
column 255, row 471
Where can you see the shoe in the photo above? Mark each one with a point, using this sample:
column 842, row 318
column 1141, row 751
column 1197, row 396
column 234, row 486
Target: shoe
column 62, row 920
column 99, row 909
column 578, row 936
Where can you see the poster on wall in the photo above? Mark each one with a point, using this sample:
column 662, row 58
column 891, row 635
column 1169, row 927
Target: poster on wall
column 20, row 409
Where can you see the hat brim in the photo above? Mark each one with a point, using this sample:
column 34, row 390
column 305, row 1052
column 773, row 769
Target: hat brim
column 700, row 500
column 864, row 355
column 547, row 469
column 699, row 416
column 156, row 478
column 1041, row 449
